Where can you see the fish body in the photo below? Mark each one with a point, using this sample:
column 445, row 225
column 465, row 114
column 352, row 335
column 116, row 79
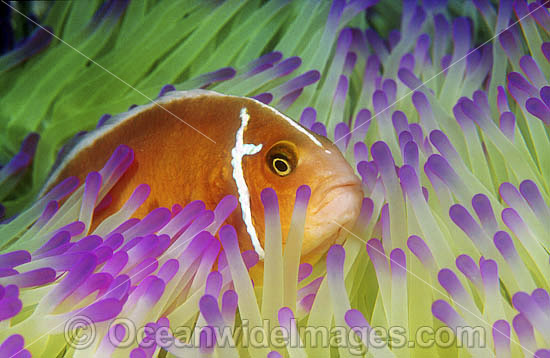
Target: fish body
column 202, row 145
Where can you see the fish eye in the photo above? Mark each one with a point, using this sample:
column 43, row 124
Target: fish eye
column 281, row 166
column 282, row 158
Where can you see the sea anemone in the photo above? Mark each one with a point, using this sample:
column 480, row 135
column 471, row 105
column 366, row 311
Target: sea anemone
column 445, row 119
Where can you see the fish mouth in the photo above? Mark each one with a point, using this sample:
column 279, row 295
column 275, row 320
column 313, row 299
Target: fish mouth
column 333, row 192
column 330, row 221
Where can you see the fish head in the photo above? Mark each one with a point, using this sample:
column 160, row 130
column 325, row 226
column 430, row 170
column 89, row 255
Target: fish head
column 292, row 156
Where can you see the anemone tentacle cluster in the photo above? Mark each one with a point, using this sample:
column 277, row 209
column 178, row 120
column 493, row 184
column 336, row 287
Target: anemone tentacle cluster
column 445, row 119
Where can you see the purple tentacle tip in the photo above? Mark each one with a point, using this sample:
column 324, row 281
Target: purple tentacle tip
column 265, row 97
column 335, row 258
column 538, row 109
column 165, row 89
column 542, row 353
column 319, row 128
column 14, row 346
column 308, row 117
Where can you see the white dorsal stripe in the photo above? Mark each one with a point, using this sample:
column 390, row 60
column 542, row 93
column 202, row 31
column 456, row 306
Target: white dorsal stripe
column 237, row 153
column 292, row 123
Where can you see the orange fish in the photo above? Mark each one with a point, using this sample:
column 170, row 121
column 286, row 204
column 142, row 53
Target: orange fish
column 202, row 145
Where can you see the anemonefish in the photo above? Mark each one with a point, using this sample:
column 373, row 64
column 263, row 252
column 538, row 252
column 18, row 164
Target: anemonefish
column 202, row 145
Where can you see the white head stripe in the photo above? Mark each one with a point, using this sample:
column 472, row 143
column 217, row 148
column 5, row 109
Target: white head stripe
column 301, row 129
column 237, row 153
column 292, row 123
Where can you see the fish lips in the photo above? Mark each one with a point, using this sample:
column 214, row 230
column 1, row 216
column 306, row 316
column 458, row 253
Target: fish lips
column 331, row 221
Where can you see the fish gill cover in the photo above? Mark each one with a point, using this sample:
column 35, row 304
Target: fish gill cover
column 443, row 108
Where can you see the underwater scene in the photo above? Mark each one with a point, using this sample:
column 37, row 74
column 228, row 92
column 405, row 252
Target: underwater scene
column 275, row 178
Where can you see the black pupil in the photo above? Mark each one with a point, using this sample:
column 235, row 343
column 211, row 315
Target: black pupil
column 280, row 165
